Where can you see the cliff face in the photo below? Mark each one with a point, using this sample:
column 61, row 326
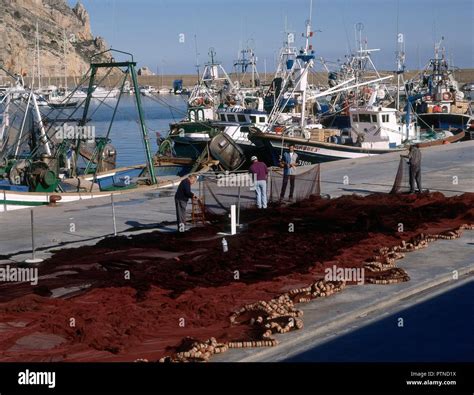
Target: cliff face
column 56, row 20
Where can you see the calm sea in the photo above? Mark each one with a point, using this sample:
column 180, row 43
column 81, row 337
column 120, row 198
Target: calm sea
column 125, row 134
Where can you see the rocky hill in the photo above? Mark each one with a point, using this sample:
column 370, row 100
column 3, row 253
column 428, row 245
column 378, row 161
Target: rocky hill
column 59, row 26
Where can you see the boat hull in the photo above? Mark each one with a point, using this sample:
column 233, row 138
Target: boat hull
column 272, row 148
column 443, row 121
column 169, row 174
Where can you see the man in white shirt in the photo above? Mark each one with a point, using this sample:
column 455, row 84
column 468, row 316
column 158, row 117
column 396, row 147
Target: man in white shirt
column 289, row 161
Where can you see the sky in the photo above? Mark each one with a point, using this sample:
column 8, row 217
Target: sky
column 153, row 30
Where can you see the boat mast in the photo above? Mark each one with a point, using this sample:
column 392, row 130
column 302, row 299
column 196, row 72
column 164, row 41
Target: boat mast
column 400, row 64
column 64, row 60
column 304, row 80
column 38, row 55
column 197, row 58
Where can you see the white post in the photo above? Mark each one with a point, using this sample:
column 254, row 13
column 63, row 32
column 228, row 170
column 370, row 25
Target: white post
column 113, row 213
column 33, row 247
column 233, row 220
column 238, row 209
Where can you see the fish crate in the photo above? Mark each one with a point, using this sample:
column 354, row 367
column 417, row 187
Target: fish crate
column 460, row 107
column 330, row 132
column 317, row 135
column 323, row 135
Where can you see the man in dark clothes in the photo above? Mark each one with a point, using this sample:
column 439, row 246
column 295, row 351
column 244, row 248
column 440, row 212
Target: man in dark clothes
column 414, row 161
column 183, row 194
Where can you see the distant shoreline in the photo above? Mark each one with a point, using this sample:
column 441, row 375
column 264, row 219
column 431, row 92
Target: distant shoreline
column 318, row 78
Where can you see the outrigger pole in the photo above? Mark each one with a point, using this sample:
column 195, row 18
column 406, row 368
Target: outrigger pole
column 130, row 68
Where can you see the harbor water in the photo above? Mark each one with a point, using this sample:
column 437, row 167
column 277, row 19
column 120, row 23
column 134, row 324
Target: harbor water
column 159, row 112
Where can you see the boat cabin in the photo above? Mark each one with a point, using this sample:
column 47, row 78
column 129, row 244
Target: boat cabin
column 243, row 116
column 379, row 125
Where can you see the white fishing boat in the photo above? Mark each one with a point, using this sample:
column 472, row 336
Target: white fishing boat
column 104, row 93
column 148, row 90
column 164, row 91
column 373, row 128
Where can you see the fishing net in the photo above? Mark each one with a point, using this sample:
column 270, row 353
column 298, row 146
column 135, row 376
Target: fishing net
column 218, row 191
column 307, row 183
column 402, row 179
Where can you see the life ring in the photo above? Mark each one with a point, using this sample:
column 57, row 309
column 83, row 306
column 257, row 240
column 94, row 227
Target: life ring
column 279, row 129
column 447, row 96
column 198, row 101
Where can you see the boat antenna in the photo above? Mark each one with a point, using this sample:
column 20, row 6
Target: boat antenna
column 308, row 25
column 197, row 57
column 400, row 54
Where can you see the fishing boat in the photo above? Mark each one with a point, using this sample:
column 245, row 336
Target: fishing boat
column 42, row 161
column 436, row 97
column 373, row 131
column 148, row 90
column 99, row 92
column 215, row 105
column 373, row 128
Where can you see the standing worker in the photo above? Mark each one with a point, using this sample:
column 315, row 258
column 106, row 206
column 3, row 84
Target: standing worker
column 289, row 168
column 183, row 194
column 260, row 173
column 414, row 161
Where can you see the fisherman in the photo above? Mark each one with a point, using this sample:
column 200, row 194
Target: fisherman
column 183, row 194
column 289, row 169
column 414, row 161
column 259, row 171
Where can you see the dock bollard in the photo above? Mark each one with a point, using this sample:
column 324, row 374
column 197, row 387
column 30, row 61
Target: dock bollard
column 33, row 248
column 113, row 213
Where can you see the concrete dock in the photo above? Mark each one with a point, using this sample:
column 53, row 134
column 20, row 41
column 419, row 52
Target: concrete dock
column 448, row 169
column 442, row 266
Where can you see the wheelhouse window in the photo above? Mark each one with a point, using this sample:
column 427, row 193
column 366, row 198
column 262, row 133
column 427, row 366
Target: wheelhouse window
column 374, row 118
column 384, row 117
column 355, row 118
column 364, row 118
column 231, row 117
column 222, row 117
column 253, row 119
column 262, row 119
column 241, row 118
